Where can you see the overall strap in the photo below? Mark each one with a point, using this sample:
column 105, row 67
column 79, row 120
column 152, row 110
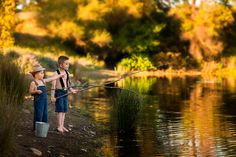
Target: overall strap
column 61, row 81
column 43, row 82
column 36, row 83
column 67, row 79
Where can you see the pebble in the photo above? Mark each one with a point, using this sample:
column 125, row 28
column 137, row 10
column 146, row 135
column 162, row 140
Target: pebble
column 85, row 150
column 36, row 152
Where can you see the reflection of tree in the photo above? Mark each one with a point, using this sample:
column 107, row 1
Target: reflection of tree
column 143, row 85
column 185, row 120
column 200, row 124
column 171, row 91
column 159, row 130
column 179, row 118
column 129, row 145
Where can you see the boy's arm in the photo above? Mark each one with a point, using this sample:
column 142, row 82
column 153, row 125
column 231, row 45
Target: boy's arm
column 53, row 90
column 54, row 77
column 33, row 89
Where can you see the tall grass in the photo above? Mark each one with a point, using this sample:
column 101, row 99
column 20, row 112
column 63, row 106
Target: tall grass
column 126, row 107
column 12, row 91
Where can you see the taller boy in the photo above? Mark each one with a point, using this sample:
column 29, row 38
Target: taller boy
column 60, row 87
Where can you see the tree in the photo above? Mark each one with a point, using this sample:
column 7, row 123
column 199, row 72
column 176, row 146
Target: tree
column 7, row 13
column 201, row 26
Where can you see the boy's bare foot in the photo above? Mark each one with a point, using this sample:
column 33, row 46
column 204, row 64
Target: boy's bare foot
column 66, row 130
column 60, row 130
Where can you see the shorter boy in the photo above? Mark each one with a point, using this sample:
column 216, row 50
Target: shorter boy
column 60, row 89
column 39, row 91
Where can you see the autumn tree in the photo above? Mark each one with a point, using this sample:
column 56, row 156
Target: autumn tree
column 7, row 13
column 202, row 26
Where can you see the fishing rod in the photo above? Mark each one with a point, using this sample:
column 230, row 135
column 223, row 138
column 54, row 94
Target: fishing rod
column 85, row 83
column 80, row 85
column 94, row 86
column 104, row 85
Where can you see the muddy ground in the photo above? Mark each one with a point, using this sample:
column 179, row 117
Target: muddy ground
column 83, row 140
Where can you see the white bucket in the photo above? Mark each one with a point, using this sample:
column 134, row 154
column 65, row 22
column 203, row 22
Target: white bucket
column 41, row 129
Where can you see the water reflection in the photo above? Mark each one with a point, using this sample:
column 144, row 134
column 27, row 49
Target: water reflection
column 188, row 116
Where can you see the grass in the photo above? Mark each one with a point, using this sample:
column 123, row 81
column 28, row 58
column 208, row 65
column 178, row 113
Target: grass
column 13, row 89
column 126, row 107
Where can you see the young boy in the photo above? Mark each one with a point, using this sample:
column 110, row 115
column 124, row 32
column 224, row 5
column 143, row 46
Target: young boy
column 60, row 89
column 39, row 91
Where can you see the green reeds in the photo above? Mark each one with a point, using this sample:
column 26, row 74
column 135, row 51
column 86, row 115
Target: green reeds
column 126, row 107
column 12, row 91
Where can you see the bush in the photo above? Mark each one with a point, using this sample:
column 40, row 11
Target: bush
column 13, row 89
column 125, row 110
column 25, row 62
column 136, row 62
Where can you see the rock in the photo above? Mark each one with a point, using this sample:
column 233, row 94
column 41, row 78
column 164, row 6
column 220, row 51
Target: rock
column 85, row 150
column 70, row 125
column 19, row 135
column 36, row 152
column 61, row 155
column 92, row 132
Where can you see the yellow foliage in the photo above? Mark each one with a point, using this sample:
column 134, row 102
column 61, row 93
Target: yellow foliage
column 201, row 26
column 133, row 7
column 94, row 10
column 101, row 38
column 68, row 30
column 7, row 13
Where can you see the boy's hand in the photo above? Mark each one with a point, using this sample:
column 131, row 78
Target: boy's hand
column 78, row 82
column 53, row 99
column 39, row 91
column 62, row 75
column 74, row 91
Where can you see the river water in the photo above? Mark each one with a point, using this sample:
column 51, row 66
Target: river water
column 179, row 116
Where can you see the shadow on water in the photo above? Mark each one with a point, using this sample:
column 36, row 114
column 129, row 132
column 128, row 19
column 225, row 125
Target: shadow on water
column 189, row 116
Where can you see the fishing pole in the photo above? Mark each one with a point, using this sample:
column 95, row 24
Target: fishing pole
column 80, row 85
column 94, row 86
column 85, row 83
column 104, row 85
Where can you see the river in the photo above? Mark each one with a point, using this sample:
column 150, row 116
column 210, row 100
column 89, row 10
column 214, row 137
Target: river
column 179, row 116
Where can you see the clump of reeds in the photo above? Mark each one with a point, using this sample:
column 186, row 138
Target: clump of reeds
column 126, row 107
column 12, row 91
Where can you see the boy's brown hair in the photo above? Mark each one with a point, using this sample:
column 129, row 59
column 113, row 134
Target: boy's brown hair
column 34, row 73
column 62, row 59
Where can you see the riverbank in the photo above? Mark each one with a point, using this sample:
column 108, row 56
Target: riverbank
column 83, row 139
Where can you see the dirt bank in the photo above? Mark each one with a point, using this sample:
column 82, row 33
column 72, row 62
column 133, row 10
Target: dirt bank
column 83, row 139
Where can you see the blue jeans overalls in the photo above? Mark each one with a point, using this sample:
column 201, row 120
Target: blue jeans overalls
column 41, row 106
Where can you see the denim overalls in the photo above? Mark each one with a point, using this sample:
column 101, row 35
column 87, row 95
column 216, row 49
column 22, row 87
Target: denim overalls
column 40, row 105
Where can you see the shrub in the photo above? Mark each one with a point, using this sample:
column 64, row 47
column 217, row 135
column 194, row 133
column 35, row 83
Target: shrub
column 136, row 62
column 13, row 89
column 126, row 107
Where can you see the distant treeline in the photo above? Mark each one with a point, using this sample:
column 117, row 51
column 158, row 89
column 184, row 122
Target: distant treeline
column 143, row 34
